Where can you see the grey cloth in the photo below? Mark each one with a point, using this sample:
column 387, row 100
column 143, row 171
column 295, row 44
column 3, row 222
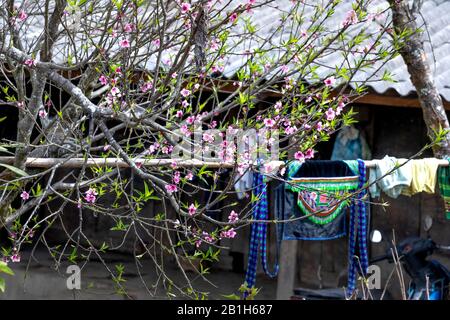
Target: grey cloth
column 394, row 183
column 243, row 183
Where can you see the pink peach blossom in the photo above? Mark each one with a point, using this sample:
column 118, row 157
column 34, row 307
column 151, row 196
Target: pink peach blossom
column 330, row 114
column 185, row 7
column 25, row 195
column 233, row 17
column 146, row 87
column 299, row 156
column 124, row 43
column 309, row 154
column 30, row 63
column 171, row 188
column 192, row 209
column 42, row 113
column 228, row 234
column 185, row 92
column 233, row 217
column 269, row 123
column 22, row 15
column 91, row 195
column 329, row 81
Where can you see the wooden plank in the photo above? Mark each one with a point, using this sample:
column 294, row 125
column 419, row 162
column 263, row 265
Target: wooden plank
column 393, row 101
column 288, row 265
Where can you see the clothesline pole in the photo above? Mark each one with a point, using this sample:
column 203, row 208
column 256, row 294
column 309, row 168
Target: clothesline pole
column 45, row 163
column 372, row 163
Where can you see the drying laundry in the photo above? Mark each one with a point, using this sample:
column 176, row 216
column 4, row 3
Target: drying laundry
column 444, row 187
column 243, row 183
column 392, row 183
column 424, row 172
column 314, row 200
column 258, row 234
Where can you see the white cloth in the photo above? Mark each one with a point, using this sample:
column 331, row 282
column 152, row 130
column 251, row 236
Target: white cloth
column 243, row 183
column 392, row 184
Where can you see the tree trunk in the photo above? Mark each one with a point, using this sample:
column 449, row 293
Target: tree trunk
column 413, row 54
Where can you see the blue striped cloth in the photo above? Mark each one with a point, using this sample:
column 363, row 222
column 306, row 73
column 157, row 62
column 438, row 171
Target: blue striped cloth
column 358, row 233
column 258, row 234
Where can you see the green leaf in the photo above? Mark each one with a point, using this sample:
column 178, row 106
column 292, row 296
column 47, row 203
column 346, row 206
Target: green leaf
column 160, row 217
column 232, row 296
column 2, row 285
column 73, row 255
column 5, row 269
column 38, row 190
column 118, row 3
column 120, row 226
column 104, row 247
column 17, row 171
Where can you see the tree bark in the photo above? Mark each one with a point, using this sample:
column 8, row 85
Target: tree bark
column 413, row 53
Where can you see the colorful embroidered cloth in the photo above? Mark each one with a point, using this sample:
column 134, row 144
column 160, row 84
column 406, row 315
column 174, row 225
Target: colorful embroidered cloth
column 322, row 199
column 316, row 207
column 444, row 187
column 314, row 199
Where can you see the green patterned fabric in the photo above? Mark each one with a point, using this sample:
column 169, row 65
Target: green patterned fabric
column 353, row 165
column 322, row 199
column 293, row 167
column 444, row 187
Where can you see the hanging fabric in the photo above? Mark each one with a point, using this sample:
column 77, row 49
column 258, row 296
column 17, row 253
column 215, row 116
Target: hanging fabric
column 358, row 232
column 391, row 184
column 258, row 234
column 315, row 197
column 243, row 183
column 424, row 173
column 444, row 187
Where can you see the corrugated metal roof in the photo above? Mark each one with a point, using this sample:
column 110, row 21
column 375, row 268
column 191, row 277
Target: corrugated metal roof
column 436, row 23
column 434, row 19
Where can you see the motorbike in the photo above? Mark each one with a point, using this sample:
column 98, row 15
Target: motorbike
column 430, row 279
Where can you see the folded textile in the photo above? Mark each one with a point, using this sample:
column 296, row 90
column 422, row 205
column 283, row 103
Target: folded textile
column 444, row 187
column 424, row 172
column 394, row 183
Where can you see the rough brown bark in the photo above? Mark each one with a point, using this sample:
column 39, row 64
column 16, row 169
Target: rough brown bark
column 414, row 55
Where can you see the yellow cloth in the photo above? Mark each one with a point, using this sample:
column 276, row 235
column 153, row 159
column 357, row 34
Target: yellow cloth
column 424, row 172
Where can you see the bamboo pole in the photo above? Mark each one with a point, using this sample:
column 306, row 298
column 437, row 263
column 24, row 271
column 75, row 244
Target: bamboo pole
column 116, row 162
